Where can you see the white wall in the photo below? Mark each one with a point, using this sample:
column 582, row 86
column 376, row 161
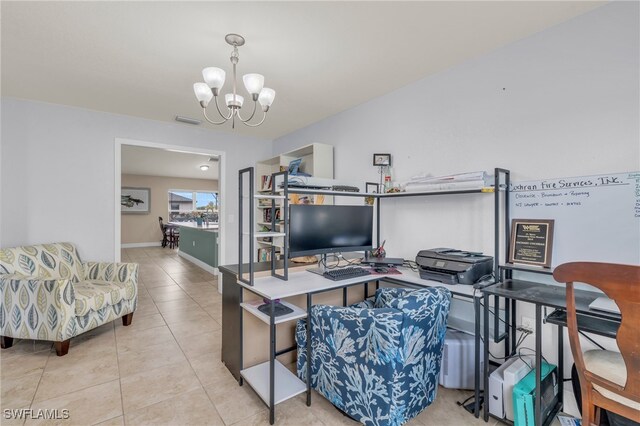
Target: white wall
column 570, row 106
column 57, row 172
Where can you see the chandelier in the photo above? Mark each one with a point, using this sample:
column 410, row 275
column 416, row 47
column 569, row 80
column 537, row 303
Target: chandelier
column 214, row 80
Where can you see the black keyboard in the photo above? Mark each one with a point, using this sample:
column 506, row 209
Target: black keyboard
column 345, row 273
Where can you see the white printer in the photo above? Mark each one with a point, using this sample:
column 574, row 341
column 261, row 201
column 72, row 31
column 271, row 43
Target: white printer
column 501, row 383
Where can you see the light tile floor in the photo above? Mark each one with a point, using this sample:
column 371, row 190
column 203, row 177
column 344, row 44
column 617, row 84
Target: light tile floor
column 165, row 368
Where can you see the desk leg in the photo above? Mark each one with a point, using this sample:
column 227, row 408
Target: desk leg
column 241, row 330
column 538, row 372
column 366, row 290
column 476, row 387
column 308, row 349
column 344, row 296
column 560, row 364
column 513, row 325
column 485, row 370
column 272, row 356
column 507, row 331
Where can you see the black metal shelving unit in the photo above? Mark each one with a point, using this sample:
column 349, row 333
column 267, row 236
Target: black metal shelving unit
column 274, row 196
column 501, row 186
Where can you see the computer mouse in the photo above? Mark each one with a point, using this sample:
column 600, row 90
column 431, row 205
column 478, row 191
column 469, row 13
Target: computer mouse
column 381, row 270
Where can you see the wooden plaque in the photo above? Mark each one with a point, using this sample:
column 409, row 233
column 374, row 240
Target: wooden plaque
column 531, row 242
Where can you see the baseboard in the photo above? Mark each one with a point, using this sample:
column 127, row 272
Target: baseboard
column 198, row 262
column 136, row 245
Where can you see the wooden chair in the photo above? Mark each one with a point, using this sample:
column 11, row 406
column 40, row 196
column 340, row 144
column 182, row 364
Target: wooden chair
column 170, row 234
column 174, row 236
column 608, row 380
column 163, row 229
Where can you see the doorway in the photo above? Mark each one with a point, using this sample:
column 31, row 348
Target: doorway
column 159, row 175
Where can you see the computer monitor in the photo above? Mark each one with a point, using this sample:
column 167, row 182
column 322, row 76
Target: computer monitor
column 316, row 229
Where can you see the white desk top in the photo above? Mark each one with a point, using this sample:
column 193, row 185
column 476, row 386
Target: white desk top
column 303, row 282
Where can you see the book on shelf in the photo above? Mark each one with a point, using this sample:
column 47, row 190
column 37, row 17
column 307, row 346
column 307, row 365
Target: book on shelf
column 266, row 215
column 264, row 254
column 265, row 183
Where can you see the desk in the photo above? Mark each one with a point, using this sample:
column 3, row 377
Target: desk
column 554, row 297
column 262, row 377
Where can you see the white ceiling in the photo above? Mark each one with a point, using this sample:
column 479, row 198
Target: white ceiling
column 137, row 160
column 141, row 58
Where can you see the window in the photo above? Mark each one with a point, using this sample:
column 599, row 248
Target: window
column 183, row 204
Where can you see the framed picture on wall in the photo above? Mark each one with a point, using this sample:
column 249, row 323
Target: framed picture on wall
column 135, row 200
column 381, row 159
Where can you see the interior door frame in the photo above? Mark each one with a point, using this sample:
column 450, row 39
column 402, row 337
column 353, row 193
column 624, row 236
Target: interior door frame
column 177, row 148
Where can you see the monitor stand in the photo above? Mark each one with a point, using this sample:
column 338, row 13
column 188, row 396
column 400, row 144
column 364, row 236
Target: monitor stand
column 321, row 269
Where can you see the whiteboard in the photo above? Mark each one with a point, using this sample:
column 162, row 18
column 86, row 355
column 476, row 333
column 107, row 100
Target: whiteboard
column 597, row 218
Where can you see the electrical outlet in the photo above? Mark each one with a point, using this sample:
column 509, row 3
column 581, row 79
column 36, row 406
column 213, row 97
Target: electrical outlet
column 194, row 243
column 529, row 323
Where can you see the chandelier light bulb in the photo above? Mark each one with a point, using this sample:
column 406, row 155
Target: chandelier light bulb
column 203, row 93
column 214, row 77
column 231, row 103
column 253, row 83
column 266, row 97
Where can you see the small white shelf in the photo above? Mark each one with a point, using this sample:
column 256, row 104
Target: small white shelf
column 267, row 234
column 266, row 207
column 270, row 196
column 267, row 243
column 286, row 385
column 279, row 222
column 252, row 308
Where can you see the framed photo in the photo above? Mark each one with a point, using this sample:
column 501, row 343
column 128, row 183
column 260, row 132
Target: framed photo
column 531, row 242
column 371, row 187
column 381, row 159
column 135, row 200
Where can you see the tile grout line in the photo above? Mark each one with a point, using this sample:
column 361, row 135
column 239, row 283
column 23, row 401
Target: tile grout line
column 115, row 338
column 39, row 381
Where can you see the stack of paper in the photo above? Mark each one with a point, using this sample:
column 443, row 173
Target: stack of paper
column 471, row 180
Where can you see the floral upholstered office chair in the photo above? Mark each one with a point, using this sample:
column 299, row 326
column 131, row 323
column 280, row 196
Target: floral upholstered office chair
column 378, row 361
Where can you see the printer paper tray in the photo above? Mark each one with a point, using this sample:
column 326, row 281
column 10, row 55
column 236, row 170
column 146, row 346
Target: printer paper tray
column 439, row 276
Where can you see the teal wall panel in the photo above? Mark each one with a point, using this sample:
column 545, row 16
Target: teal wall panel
column 201, row 244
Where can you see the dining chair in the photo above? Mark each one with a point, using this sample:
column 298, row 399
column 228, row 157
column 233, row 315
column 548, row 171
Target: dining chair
column 608, row 380
column 174, row 236
column 163, row 229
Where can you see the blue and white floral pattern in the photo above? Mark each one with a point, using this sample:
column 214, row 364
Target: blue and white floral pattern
column 378, row 361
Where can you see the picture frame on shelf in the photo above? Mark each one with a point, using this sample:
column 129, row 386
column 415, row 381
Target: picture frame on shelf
column 372, row 187
column 135, row 200
column 381, row 160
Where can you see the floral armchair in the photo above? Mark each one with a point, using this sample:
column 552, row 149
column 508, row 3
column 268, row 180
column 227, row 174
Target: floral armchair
column 48, row 293
column 378, row 361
